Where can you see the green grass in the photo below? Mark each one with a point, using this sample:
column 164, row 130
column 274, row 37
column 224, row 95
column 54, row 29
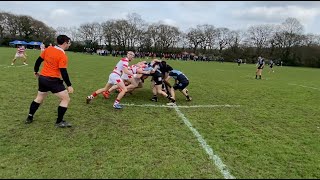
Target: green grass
column 274, row 133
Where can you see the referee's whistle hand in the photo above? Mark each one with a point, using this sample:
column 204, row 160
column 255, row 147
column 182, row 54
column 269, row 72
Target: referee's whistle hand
column 70, row 89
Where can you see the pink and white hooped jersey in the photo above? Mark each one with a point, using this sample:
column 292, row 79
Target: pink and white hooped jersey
column 133, row 69
column 123, row 63
column 21, row 50
column 42, row 46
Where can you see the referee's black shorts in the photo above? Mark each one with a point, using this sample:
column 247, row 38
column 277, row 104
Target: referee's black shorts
column 52, row 84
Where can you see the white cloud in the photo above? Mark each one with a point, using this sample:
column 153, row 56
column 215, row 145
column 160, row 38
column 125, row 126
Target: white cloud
column 169, row 22
column 59, row 14
column 276, row 14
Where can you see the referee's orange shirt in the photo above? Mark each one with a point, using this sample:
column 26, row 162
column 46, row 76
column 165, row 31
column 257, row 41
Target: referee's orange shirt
column 54, row 58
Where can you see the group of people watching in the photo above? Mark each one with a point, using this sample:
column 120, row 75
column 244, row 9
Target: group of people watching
column 152, row 55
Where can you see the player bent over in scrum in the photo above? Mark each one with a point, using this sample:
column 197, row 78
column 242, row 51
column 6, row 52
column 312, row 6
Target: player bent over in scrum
column 132, row 82
column 181, row 82
column 157, row 86
column 115, row 78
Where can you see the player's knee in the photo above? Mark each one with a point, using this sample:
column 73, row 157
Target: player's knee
column 124, row 90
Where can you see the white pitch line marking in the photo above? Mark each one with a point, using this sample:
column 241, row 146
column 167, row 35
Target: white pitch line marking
column 194, row 106
column 15, row 66
column 215, row 158
column 303, row 86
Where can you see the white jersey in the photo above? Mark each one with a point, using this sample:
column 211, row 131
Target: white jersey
column 123, row 63
column 21, row 50
column 133, row 68
column 42, row 46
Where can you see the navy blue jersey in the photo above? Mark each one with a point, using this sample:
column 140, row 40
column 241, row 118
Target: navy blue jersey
column 164, row 67
column 261, row 61
column 178, row 75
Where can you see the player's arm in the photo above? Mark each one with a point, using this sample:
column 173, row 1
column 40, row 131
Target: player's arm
column 37, row 65
column 141, row 71
column 126, row 70
column 155, row 68
column 155, row 61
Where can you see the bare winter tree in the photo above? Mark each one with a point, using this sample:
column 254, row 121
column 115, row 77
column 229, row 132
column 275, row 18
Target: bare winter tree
column 289, row 35
column 259, row 36
column 235, row 38
column 24, row 27
column 108, row 29
column 195, row 37
column 209, row 36
column 72, row 32
column 7, row 27
column 222, row 35
column 137, row 27
column 153, row 34
column 169, row 36
column 90, row 31
column 310, row 40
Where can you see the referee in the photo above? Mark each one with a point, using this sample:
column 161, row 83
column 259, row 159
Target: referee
column 54, row 67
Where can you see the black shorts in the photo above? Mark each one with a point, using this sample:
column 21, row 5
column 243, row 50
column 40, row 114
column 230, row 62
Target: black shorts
column 181, row 85
column 54, row 85
column 260, row 67
column 157, row 77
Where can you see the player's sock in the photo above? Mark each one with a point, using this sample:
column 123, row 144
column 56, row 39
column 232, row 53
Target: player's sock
column 171, row 99
column 33, row 108
column 94, row 94
column 116, row 101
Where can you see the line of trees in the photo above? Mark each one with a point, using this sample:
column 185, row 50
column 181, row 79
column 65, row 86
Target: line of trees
column 286, row 41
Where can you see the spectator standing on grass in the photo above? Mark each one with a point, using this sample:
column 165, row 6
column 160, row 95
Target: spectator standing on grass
column 54, row 67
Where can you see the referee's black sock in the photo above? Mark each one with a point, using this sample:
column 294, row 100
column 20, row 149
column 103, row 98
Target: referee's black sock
column 33, row 108
column 61, row 112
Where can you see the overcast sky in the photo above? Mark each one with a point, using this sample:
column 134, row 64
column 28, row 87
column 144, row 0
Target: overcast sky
column 234, row 15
